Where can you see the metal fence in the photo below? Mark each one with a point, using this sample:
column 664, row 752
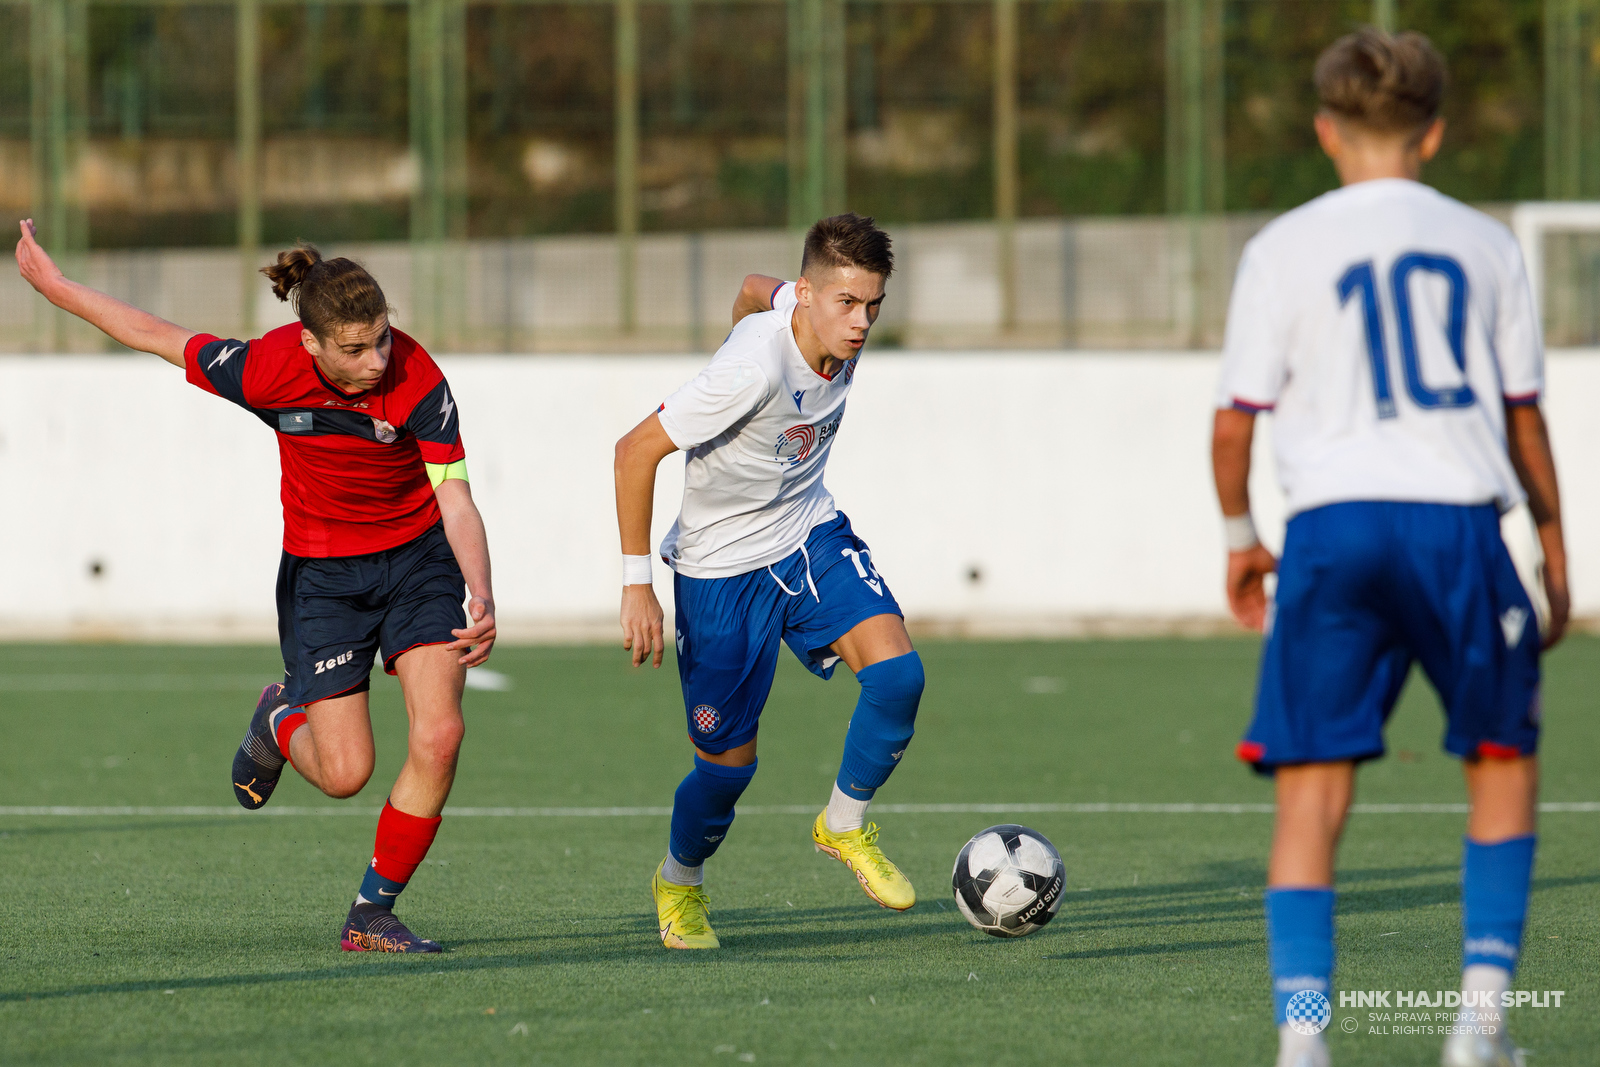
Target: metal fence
column 1194, row 71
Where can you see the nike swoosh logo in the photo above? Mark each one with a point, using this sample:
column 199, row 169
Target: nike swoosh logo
column 386, row 893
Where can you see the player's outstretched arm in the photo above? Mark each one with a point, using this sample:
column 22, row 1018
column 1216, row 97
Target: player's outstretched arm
column 1248, row 564
column 639, row 453
column 1528, row 442
column 755, row 295
column 463, row 528
column 125, row 323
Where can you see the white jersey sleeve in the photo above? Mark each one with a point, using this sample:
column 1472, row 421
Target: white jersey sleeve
column 784, row 297
column 1255, row 344
column 714, row 400
column 1518, row 344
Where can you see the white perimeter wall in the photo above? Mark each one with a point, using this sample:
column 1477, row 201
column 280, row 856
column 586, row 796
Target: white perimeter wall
column 1076, row 485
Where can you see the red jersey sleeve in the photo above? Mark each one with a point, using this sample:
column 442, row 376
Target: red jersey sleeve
column 217, row 366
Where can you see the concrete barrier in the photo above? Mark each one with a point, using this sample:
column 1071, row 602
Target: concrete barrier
column 1002, row 493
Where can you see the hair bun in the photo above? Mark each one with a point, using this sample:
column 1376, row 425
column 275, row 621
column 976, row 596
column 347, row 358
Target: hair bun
column 293, row 267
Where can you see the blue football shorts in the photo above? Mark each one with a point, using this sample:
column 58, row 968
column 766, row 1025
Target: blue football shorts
column 1364, row 590
column 729, row 629
column 335, row 613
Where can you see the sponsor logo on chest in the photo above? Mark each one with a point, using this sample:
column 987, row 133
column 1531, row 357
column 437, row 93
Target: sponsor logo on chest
column 797, row 443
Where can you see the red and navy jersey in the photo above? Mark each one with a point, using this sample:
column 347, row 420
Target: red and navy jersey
column 353, row 474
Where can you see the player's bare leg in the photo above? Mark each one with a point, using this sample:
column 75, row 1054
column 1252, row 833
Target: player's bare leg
column 334, row 750
column 1313, row 800
column 432, row 680
column 878, row 650
column 1496, row 872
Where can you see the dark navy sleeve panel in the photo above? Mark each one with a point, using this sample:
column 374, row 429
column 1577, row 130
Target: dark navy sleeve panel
column 436, row 424
column 217, row 366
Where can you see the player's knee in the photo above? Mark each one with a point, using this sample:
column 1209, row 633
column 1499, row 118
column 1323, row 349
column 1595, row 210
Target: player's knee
column 438, row 743
column 894, row 686
column 345, row 779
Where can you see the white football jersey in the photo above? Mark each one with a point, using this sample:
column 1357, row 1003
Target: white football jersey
column 757, row 424
column 1386, row 326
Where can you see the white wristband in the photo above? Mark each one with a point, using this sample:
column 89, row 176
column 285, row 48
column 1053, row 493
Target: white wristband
column 636, row 570
column 1239, row 531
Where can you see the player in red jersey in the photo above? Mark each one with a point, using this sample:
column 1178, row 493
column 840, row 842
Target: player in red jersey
column 380, row 540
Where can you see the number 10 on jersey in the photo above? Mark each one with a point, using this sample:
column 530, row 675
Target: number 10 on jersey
column 1362, row 278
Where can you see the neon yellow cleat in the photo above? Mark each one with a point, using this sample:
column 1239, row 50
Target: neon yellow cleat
column 858, row 850
column 684, row 914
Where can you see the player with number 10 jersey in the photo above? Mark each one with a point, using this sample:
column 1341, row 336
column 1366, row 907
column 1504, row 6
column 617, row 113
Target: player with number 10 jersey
column 1391, row 331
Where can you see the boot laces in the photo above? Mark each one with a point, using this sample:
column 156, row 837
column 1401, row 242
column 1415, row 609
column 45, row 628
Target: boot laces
column 694, row 908
column 873, row 854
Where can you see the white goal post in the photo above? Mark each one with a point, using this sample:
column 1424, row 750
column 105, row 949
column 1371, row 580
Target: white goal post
column 1531, row 221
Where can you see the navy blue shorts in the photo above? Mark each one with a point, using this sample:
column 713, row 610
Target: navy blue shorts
column 1364, row 590
column 729, row 628
column 335, row 613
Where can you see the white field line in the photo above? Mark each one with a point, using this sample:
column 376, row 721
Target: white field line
column 1554, row 807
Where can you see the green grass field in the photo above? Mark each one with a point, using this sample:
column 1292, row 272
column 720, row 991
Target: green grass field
column 208, row 939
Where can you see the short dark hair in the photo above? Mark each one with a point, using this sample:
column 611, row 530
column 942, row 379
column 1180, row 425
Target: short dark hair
column 325, row 293
column 847, row 240
column 1388, row 83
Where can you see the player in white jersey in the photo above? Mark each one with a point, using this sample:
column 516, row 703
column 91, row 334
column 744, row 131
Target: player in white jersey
column 1391, row 331
column 762, row 556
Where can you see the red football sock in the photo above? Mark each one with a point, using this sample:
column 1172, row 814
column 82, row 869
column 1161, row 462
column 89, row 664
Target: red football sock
column 403, row 840
column 286, row 728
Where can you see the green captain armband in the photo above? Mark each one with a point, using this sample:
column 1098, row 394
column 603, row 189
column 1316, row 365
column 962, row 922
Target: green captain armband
column 438, row 473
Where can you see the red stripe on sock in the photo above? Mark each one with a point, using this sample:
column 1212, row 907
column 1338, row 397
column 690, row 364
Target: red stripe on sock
column 403, row 840
column 286, row 728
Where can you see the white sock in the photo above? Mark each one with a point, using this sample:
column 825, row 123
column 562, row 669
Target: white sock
column 1300, row 1050
column 845, row 812
column 678, row 874
column 1481, row 986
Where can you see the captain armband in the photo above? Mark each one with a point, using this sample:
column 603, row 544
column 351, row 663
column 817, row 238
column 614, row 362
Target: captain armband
column 438, row 473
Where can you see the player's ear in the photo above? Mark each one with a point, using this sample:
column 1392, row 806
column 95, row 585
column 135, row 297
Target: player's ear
column 802, row 290
column 1327, row 128
column 1432, row 138
column 309, row 340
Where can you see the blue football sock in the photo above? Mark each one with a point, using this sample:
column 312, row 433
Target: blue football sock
column 1494, row 900
column 882, row 725
column 1299, row 944
column 702, row 811
column 376, row 889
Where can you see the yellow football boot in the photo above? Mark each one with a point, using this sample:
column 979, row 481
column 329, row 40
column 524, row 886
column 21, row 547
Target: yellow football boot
column 858, row 850
column 684, row 914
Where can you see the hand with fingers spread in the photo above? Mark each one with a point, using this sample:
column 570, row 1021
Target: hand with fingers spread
column 642, row 620
column 475, row 642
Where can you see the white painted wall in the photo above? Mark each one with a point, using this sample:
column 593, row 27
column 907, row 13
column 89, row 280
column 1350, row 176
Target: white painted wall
column 1077, row 485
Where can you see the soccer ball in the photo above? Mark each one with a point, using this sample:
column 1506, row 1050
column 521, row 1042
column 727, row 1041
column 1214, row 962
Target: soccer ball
column 1008, row 880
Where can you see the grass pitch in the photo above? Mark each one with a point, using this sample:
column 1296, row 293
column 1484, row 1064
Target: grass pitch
column 207, row 939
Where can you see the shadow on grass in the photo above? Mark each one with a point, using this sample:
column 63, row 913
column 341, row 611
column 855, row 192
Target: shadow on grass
column 1113, row 952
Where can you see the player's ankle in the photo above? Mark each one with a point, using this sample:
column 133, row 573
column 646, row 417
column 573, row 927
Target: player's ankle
column 845, row 812
column 677, row 873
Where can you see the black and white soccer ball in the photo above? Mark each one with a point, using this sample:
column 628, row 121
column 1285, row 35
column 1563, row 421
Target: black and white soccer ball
column 1009, row 880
